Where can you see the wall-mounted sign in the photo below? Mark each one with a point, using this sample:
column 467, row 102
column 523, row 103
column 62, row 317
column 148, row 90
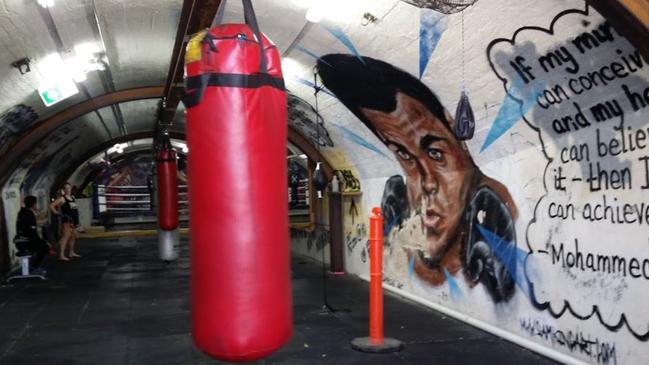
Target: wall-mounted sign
column 53, row 93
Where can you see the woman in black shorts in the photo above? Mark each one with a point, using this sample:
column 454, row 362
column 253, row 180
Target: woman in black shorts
column 66, row 207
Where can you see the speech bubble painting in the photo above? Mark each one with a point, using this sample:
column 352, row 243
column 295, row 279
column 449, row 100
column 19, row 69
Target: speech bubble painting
column 588, row 240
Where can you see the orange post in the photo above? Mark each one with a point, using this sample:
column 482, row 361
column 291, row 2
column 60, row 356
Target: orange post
column 376, row 277
column 376, row 343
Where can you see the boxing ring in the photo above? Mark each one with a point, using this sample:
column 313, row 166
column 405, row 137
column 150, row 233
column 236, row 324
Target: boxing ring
column 132, row 204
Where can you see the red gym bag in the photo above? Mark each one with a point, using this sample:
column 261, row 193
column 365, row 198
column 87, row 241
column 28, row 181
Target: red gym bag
column 236, row 134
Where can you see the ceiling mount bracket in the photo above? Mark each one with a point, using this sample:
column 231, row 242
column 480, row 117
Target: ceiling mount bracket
column 368, row 18
column 22, row 65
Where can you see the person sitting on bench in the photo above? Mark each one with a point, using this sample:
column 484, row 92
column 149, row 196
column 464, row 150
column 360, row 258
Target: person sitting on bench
column 26, row 227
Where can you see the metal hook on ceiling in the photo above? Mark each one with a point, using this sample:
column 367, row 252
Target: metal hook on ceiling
column 368, row 18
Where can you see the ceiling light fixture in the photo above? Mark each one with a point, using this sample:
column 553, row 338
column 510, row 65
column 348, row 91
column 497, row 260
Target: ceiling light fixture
column 74, row 68
column 57, row 84
column 117, row 148
column 337, row 11
column 316, row 12
column 59, row 76
column 88, row 51
column 46, row 3
column 87, row 57
column 290, row 68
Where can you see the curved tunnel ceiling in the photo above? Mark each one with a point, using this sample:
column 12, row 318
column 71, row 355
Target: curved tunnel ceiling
column 138, row 143
column 78, row 129
column 134, row 40
column 137, row 37
column 510, row 182
column 31, row 137
column 66, row 145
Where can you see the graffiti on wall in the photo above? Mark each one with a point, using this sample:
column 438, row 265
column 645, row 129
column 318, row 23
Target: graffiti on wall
column 133, row 170
column 38, row 171
column 356, row 236
column 450, row 220
column 443, row 6
column 432, row 26
column 35, row 164
column 575, row 341
column 304, row 118
column 558, row 242
column 14, row 121
column 316, row 239
column 588, row 237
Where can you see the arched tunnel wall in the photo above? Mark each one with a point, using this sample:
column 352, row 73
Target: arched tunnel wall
column 537, row 226
column 527, row 216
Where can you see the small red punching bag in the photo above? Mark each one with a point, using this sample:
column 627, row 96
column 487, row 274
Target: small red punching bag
column 167, row 189
column 236, row 133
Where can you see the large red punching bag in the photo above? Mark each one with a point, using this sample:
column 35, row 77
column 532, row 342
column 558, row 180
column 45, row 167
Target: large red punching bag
column 167, row 189
column 236, row 132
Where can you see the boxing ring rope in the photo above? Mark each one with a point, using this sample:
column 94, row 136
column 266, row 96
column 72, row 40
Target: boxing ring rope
column 130, row 203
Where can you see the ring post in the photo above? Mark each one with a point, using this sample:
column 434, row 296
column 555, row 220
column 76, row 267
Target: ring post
column 376, row 343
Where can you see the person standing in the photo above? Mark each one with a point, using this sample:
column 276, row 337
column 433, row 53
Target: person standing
column 26, row 229
column 66, row 207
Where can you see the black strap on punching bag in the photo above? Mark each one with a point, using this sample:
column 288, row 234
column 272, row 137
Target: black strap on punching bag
column 198, row 84
column 251, row 20
column 220, row 13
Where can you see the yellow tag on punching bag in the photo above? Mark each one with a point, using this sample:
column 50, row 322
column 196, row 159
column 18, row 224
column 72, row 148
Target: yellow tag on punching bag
column 193, row 52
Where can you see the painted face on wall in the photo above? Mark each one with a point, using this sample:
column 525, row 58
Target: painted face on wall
column 439, row 172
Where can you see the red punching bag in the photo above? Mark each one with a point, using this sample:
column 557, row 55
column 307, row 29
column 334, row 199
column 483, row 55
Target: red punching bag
column 167, row 189
column 236, row 133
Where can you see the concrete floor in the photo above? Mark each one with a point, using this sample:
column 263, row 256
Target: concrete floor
column 120, row 305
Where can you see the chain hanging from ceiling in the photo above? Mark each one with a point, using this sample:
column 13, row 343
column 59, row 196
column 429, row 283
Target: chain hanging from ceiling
column 443, row 6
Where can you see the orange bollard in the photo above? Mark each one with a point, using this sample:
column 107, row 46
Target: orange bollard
column 376, row 277
column 376, row 342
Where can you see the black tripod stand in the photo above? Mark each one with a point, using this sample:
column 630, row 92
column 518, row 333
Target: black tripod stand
column 321, row 183
column 326, row 307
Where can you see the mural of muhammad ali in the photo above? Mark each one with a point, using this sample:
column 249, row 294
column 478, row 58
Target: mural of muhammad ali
column 467, row 218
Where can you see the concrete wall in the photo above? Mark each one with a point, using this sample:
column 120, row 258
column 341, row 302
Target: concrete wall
column 537, row 226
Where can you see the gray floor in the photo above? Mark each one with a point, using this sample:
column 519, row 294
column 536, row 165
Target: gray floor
column 120, row 305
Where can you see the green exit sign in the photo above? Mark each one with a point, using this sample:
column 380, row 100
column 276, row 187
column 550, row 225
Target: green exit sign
column 53, row 93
